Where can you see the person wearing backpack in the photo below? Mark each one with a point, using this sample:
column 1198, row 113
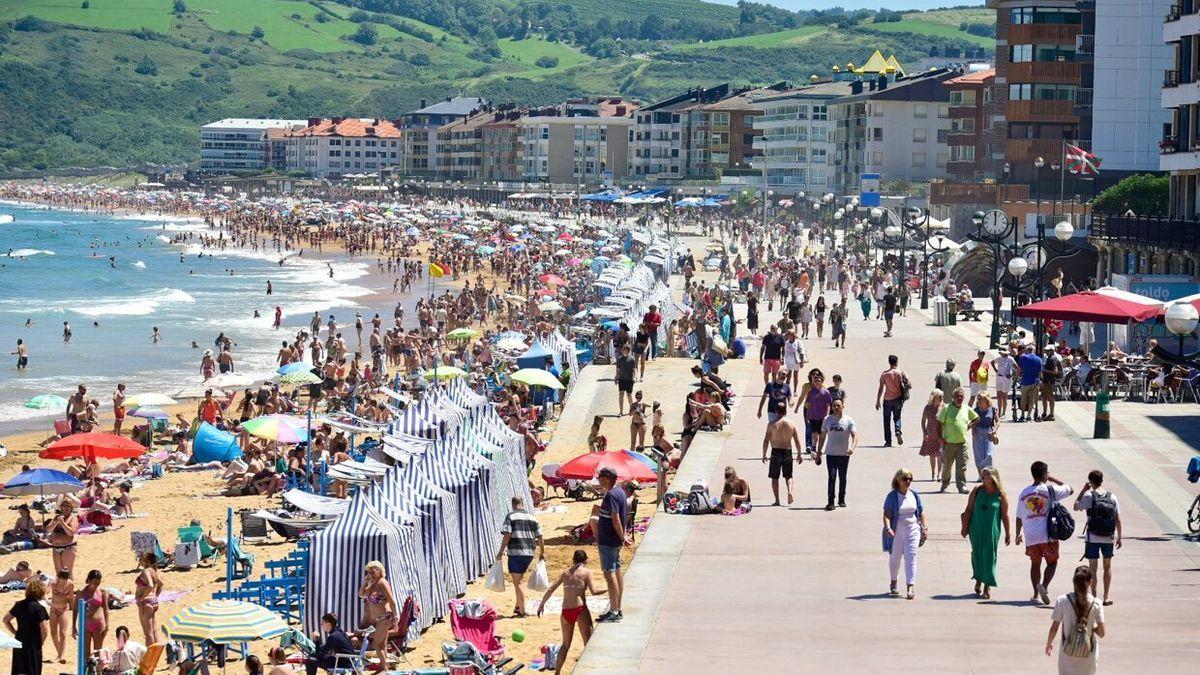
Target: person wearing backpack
column 1034, row 508
column 1081, row 619
column 1103, row 531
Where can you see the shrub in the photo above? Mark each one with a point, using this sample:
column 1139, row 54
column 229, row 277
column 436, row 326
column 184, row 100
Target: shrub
column 419, row 59
column 32, row 24
column 85, row 4
column 257, row 33
column 146, row 67
column 547, row 61
column 321, row 17
column 366, row 34
column 179, row 7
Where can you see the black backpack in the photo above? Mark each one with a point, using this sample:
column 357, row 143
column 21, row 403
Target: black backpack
column 1060, row 524
column 905, row 386
column 1102, row 515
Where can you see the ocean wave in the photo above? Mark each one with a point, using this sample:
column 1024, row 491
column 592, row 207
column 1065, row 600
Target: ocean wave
column 138, row 264
column 163, row 238
column 134, row 306
column 27, row 252
column 6, row 218
column 178, row 226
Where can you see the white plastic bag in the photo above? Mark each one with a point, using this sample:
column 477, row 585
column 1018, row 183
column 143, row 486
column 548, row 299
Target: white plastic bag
column 540, row 579
column 495, row 578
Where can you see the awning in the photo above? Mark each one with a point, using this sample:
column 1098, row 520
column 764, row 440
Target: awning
column 1105, row 305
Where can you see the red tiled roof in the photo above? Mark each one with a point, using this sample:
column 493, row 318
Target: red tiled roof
column 976, row 77
column 351, row 127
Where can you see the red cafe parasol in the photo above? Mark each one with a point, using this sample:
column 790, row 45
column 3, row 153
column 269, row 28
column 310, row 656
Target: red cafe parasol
column 585, row 467
column 92, row 446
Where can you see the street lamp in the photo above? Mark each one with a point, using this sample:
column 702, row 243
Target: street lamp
column 1181, row 319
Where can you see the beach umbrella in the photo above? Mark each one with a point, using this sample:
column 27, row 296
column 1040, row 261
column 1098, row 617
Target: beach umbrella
column 294, row 367
column 43, row 401
column 92, row 446
column 512, row 344
column 552, row 306
column 446, row 373
column 585, row 467
column 462, row 334
column 300, row 377
column 546, row 291
column 486, row 250
column 552, row 279
column 279, row 428
column 536, row 377
column 562, row 252
column 644, row 459
column 574, row 261
column 149, row 414
column 151, row 399
column 197, row 391
column 41, row 482
column 611, row 325
column 9, row 642
column 225, row 622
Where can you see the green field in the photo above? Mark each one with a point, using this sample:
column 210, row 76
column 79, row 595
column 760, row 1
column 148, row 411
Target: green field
column 783, row 38
column 668, row 9
column 275, row 17
column 107, row 14
column 528, row 51
column 955, row 17
column 922, row 27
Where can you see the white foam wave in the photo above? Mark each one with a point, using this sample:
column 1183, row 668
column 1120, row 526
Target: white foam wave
column 163, row 238
column 186, row 226
column 138, row 264
column 135, row 306
column 27, row 252
column 6, row 218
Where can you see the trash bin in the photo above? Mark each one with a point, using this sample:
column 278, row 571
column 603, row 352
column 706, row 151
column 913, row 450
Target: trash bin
column 940, row 311
column 952, row 313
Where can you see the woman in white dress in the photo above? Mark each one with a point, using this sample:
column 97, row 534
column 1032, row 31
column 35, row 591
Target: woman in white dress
column 794, row 358
column 1079, row 646
column 903, row 529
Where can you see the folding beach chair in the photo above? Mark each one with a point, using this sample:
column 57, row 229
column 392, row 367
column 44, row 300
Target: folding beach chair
column 147, row 542
column 474, row 621
column 150, row 659
column 254, row 528
column 194, row 534
column 243, row 563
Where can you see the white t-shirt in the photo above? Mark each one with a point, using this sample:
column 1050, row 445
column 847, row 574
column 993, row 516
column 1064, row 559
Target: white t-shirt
column 907, row 517
column 1034, row 505
column 1064, row 613
column 837, row 432
column 1085, row 502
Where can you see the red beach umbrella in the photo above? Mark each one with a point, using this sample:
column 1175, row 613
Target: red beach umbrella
column 552, row 279
column 585, row 467
column 92, row 446
column 547, row 291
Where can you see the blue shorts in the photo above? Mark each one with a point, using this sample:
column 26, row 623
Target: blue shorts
column 519, row 564
column 1093, row 550
column 610, row 558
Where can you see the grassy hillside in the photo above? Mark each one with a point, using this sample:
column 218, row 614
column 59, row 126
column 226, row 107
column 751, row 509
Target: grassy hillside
column 126, row 82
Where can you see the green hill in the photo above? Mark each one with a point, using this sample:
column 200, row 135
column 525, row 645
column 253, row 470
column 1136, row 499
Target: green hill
column 125, row 82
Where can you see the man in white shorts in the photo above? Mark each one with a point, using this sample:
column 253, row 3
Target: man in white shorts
column 1005, row 368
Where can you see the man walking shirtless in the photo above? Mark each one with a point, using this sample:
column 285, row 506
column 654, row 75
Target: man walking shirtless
column 781, row 436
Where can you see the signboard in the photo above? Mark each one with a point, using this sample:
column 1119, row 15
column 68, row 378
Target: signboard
column 1161, row 287
column 868, row 189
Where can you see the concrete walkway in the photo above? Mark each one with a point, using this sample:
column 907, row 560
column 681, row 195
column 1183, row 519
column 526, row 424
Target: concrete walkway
column 802, row 590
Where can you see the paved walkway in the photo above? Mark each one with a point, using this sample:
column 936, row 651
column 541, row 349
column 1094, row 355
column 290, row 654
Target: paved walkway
column 802, row 590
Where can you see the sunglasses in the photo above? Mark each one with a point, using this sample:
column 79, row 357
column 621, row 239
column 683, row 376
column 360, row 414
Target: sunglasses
column 907, row 479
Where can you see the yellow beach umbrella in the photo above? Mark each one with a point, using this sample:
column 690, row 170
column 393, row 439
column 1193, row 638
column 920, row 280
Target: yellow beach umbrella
column 536, row 377
column 225, row 622
column 446, row 373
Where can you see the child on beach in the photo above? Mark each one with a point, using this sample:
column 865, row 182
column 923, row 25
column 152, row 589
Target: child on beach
column 576, row 582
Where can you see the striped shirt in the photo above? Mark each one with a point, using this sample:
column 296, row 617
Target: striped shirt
column 524, row 530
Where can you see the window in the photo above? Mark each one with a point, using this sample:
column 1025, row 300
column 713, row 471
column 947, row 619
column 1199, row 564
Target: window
column 942, row 158
column 962, row 125
column 943, row 111
column 876, row 158
column 801, row 133
column 816, row 177
column 1021, row 15
column 1020, row 92
column 820, row 134
column 920, row 110
column 920, row 135
column 962, row 153
column 820, row 113
column 962, row 97
column 820, row 156
column 943, row 135
column 876, row 109
column 877, row 133
column 918, row 159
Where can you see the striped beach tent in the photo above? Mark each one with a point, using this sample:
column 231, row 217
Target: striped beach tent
column 430, row 594
column 443, row 506
column 339, row 554
column 445, row 468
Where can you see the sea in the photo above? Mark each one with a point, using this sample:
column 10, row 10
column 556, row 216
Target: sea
column 115, row 278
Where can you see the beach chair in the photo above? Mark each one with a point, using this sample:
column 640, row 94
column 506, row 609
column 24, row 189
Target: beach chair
column 150, row 659
column 554, row 482
column 243, row 563
column 254, row 528
column 194, row 534
column 474, row 621
column 355, row 664
column 147, row 542
column 62, row 427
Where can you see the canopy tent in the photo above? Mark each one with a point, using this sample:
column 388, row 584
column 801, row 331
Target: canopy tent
column 1104, row 305
column 535, row 356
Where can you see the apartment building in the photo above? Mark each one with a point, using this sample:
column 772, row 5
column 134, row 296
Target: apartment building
column 238, row 145
column 583, row 142
column 502, row 147
column 697, row 134
column 333, row 147
column 897, row 128
column 419, row 129
column 1180, row 146
column 976, row 135
column 460, row 147
column 796, row 137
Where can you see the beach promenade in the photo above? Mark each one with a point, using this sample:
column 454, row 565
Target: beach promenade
column 803, row 590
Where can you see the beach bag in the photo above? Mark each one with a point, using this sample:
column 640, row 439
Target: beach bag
column 1079, row 643
column 1060, row 524
column 187, row 555
column 495, row 578
column 699, row 502
column 905, row 387
column 540, row 579
column 1102, row 515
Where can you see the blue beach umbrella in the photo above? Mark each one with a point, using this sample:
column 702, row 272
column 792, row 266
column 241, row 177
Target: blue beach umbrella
column 293, row 367
column 43, row 401
column 149, row 414
column 41, row 482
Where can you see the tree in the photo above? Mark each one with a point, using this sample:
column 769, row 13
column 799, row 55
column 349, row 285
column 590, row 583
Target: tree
column 366, row 34
column 179, row 7
column 85, row 4
column 419, row 59
column 1145, row 194
column 257, row 33
column 652, row 27
column 547, row 61
column 146, row 67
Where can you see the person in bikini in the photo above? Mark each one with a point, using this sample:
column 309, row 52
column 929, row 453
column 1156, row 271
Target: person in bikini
column 576, row 581
column 637, row 422
column 95, row 613
column 60, row 536
column 147, row 587
column 379, row 607
column 62, row 592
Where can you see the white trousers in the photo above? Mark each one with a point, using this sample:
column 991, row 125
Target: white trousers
column 905, row 545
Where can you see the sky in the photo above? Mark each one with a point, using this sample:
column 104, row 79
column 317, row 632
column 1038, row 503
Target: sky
column 859, row 4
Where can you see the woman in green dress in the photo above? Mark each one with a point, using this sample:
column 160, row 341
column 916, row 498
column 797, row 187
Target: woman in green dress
column 987, row 510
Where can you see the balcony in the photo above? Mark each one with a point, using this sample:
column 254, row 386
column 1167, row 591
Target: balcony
column 1083, row 102
column 1024, row 149
column 1085, row 48
column 1182, row 19
column 1170, row 79
column 1149, row 231
column 1049, row 72
column 947, row 192
column 1043, row 33
column 1055, row 112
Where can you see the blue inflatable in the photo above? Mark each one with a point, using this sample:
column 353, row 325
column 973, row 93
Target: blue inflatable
column 739, row 348
column 212, row 444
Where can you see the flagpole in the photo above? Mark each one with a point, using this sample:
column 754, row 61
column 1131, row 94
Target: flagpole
column 1062, row 171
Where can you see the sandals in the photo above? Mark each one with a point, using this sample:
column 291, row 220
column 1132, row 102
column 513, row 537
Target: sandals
column 910, row 595
column 893, row 591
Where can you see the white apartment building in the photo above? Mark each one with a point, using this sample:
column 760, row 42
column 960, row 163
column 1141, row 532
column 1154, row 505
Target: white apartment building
column 237, row 145
column 897, row 129
column 797, row 141
column 333, row 147
column 559, row 148
column 1180, row 95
